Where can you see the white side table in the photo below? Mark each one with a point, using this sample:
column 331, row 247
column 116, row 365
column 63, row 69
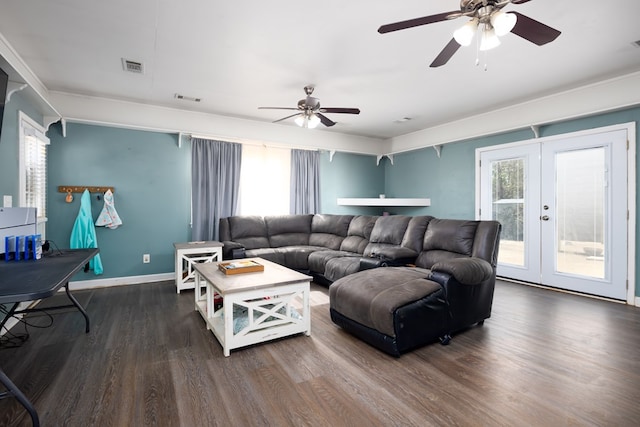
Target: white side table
column 187, row 254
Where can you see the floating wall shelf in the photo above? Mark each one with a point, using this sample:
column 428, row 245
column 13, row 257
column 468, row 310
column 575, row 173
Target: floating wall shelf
column 384, row 202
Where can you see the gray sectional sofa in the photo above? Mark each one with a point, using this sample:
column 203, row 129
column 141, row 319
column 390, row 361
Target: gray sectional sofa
column 326, row 246
column 439, row 276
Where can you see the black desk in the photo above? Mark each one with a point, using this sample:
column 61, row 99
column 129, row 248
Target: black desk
column 33, row 280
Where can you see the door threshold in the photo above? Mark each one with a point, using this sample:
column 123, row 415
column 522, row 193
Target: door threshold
column 564, row 291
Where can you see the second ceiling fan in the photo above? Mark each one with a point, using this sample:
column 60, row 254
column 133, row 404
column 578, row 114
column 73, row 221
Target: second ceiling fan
column 309, row 112
column 486, row 15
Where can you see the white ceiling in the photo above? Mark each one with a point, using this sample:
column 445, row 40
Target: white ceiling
column 242, row 54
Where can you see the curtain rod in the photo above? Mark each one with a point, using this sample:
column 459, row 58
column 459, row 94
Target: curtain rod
column 253, row 142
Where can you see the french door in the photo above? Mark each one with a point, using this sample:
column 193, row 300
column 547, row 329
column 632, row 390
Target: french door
column 562, row 203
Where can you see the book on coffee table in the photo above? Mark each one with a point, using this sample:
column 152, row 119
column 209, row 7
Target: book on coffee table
column 240, row 266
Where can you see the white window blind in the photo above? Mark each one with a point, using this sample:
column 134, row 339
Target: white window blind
column 33, row 166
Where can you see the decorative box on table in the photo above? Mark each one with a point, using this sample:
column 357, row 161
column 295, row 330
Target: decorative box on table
column 240, row 266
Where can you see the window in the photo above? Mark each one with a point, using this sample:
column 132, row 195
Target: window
column 265, row 178
column 33, row 168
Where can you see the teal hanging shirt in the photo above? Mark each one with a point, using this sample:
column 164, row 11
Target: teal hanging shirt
column 83, row 234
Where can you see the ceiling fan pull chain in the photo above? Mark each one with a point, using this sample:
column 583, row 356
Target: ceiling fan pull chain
column 477, row 46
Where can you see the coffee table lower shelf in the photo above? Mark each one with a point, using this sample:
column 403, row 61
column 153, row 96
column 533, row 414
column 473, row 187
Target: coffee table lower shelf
column 254, row 316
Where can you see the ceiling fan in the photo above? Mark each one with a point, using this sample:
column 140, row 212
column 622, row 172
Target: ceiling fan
column 309, row 113
column 486, row 15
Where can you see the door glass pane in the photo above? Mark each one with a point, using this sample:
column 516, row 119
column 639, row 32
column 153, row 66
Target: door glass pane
column 507, row 182
column 580, row 212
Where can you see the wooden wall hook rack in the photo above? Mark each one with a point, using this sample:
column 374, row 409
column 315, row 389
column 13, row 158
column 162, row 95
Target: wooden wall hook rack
column 81, row 188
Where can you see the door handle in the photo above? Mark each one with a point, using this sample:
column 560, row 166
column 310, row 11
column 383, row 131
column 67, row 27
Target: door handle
column 545, row 217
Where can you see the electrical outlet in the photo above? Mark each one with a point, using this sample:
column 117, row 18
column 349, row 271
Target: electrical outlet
column 146, row 258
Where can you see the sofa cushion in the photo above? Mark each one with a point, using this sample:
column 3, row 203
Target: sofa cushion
column 329, row 230
column 371, row 297
column 339, row 267
column 297, row 257
column 358, row 234
column 270, row 254
column 318, row 260
column 386, row 238
column 288, row 230
column 450, row 235
column 414, row 235
column 250, row 231
column 447, row 239
column 389, row 229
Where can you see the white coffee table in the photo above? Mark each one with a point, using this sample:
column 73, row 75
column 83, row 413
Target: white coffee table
column 256, row 307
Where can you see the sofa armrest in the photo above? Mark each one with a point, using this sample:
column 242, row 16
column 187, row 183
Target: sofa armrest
column 369, row 263
column 468, row 271
column 394, row 256
column 232, row 250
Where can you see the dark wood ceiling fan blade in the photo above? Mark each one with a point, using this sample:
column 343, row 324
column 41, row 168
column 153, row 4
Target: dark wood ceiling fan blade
column 446, row 54
column 277, row 108
column 519, row 1
column 340, row 110
column 325, row 120
column 534, row 31
column 285, row 118
column 402, row 25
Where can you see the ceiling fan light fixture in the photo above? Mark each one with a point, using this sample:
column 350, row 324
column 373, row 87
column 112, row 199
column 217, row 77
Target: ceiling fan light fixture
column 307, row 121
column 489, row 39
column 313, row 121
column 503, row 22
column 464, row 34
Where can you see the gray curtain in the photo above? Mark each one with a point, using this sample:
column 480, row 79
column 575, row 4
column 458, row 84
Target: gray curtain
column 305, row 182
column 215, row 184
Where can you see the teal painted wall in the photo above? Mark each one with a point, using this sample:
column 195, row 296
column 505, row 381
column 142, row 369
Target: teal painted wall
column 349, row 175
column 151, row 176
column 10, row 143
column 450, row 180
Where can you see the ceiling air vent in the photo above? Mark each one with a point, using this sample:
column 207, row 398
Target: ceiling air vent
column 132, row 66
column 187, row 98
column 636, row 43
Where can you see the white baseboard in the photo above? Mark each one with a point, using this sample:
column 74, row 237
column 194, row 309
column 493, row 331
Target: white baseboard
column 637, row 301
column 13, row 321
column 120, row 281
column 10, row 324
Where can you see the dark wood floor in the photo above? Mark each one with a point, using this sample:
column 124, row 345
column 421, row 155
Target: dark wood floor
column 543, row 359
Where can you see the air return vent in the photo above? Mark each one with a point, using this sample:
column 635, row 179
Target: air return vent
column 132, row 66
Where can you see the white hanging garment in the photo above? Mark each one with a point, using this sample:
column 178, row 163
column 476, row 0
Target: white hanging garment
column 108, row 217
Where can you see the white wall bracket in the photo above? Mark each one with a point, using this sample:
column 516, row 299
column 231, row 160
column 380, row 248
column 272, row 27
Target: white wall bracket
column 13, row 87
column 536, row 130
column 49, row 120
column 331, row 154
column 381, row 156
column 438, row 149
